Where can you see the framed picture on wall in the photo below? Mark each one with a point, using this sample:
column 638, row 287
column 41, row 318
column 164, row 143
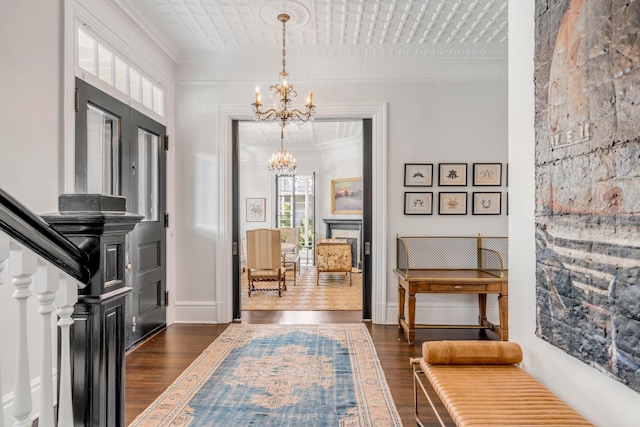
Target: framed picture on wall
column 487, row 203
column 256, row 209
column 453, row 203
column 489, row 174
column 418, row 174
column 418, row 203
column 453, row 174
column 347, row 196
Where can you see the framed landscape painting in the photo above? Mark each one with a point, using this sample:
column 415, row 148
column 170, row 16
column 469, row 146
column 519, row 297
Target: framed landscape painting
column 347, row 196
column 418, row 174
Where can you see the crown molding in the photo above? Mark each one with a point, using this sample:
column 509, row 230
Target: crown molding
column 364, row 70
column 141, row 21
column 388, row 53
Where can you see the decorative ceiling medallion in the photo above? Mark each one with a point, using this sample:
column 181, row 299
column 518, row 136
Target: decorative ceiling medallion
column 298, row 14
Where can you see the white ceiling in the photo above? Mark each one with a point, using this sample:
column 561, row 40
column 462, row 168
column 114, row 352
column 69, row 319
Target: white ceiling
column 193, row 28
column 401, row 38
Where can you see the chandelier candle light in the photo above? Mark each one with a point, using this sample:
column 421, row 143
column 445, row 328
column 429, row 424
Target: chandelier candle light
column 283, row 94
column 282, row 162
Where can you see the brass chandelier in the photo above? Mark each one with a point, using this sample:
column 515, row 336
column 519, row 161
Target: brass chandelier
column 283, row 94
column 282, row 162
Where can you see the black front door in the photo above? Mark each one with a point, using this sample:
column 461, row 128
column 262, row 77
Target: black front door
column 120, row 151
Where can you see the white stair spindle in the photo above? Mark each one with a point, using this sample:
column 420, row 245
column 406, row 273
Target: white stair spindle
column 22, row 266
column 4, row 254
column 66, row 298
column 46, row 282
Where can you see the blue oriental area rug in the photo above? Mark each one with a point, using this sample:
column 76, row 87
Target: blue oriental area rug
column 280, row 375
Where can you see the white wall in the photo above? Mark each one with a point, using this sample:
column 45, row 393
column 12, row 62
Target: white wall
column 429, row 121
column 32, row 117
column 604, row 401
column 445, row 122
column 30, row 111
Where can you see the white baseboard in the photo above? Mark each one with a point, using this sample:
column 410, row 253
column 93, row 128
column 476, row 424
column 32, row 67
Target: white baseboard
column 195, row 312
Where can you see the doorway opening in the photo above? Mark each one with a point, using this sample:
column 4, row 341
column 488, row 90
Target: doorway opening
column 326, row 151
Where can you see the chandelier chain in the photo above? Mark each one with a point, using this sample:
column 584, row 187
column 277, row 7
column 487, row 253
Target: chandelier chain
column 284, row 42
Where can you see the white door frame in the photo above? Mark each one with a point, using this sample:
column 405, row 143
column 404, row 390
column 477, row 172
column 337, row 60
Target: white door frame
column 224, row 259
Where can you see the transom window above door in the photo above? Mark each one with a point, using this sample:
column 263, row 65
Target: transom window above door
column 100, row 61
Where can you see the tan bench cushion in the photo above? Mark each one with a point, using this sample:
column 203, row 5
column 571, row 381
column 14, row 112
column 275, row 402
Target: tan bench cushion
column 471, row 352
column 495, row 394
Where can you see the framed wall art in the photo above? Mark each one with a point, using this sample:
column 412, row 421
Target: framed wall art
column 454, row 174
column 453, row 203
column 256, row 209
column 418, row 203
column 347, row 196
column 486, row 203
column 418, row 174
column 488, row 174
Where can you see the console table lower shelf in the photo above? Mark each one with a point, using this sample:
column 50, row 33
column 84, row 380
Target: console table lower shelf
column 443, row 281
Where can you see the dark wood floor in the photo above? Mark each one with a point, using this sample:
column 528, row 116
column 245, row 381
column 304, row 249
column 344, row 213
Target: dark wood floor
column 155, row 364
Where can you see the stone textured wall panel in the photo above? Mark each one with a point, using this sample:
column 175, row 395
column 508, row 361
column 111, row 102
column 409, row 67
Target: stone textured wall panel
column 587, row 122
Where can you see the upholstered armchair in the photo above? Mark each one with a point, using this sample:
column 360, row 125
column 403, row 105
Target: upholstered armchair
column 291, row 249
column 333, row 256
column 264, row 260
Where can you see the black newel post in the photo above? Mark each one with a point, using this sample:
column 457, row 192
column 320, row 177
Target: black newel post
column 98, row 224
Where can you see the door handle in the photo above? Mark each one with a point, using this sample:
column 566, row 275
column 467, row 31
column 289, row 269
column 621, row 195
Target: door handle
column 127, row 263
column 234, row 248
column 367, row 248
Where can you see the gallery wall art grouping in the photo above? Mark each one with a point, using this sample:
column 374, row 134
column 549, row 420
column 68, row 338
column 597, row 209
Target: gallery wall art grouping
column 450, row 201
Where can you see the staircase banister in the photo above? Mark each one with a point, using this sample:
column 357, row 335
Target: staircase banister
column 23, row 225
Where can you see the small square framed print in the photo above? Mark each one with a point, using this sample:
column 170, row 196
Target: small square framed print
column 452, row 174
column 418, row 174
column 453, row 203
column 488, row 174
column 418, row 203
column 256, row 211
column 487, row 203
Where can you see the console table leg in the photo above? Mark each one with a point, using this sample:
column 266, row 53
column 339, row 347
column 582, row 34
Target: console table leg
column 482, row 309
column 412, row 317
column 503, row 307
column 401, row 293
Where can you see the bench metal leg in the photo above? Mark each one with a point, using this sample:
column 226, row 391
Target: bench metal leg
column 415, row 363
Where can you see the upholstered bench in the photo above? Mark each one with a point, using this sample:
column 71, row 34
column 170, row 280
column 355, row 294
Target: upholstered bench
column 481, row 385
column 333, row 256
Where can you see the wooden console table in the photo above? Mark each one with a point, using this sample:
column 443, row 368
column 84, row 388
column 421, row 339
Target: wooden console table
column 453, row 281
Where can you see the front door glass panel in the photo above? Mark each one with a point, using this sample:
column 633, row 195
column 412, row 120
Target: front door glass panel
column 103, row 151
column 147, row 172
